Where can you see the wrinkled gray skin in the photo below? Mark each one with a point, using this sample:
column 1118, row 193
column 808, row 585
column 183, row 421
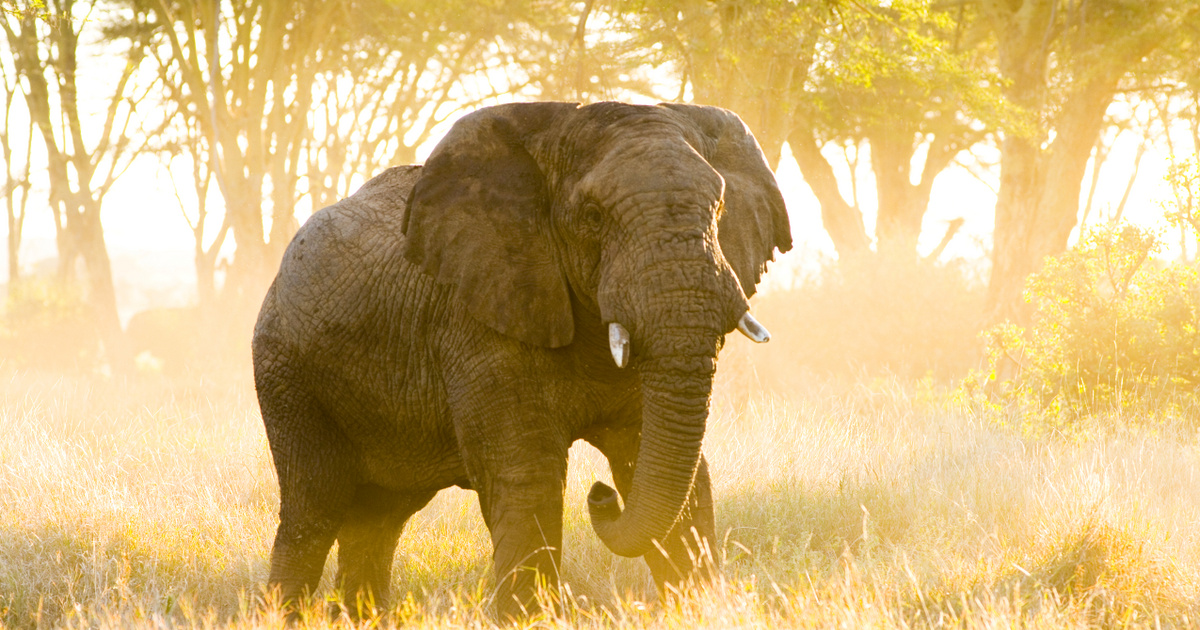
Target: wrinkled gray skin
column 448, row 325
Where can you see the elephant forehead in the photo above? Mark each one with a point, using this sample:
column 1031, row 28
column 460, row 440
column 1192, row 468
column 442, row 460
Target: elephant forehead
column 660, row 190
column 608, row 115
column 646, row 166
column 593, row 130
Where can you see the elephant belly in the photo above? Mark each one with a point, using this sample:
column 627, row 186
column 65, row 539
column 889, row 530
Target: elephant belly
column 401, row 433
column 412, row 463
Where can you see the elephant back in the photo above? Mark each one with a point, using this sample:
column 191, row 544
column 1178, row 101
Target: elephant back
column 387, row 192
column 341, row 257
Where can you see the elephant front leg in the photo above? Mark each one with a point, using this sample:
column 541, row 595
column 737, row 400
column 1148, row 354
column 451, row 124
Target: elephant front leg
column 514, row 447
column 688, row 553
column 522, row 504
column 524, row 515
column 298, row 557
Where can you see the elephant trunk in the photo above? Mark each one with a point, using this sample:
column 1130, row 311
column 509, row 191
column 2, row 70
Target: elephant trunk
column 676, row 361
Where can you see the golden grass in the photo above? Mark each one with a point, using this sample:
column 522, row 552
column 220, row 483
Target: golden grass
column 150, row 502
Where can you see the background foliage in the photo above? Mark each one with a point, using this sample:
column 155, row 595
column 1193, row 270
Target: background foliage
column 1115, row 331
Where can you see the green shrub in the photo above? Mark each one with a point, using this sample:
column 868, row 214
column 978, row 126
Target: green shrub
column 47, row 325
column 1113, row 330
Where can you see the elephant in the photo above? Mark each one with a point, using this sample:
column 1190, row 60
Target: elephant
column 553, row 272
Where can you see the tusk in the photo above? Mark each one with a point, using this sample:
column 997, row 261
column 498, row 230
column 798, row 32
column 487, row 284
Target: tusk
column 618, row 343
column 752, row 329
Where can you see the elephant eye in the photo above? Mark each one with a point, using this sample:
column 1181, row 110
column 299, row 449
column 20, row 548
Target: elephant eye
column 590, row 218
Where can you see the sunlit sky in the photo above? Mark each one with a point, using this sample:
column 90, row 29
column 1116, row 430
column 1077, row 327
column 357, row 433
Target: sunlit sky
column 152, row 246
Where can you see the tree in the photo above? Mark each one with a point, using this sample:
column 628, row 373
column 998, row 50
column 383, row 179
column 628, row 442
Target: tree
column 244, row 111
column 1176, row 104
column 753, row 58
column 1134, row 115
column 909, row 80
column 16, row 149
column 308, row 98
column 749, row 57
column 86, row 151
column 581, row 52
column 897, row 77
column 1063, row 62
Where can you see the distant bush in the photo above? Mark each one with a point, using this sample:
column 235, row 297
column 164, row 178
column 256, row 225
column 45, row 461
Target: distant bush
column 171, row 337
column 1113, row 329
column 47, row 325
column 877, row 315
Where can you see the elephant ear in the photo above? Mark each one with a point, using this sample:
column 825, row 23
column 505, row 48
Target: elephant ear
column 477, row 220
column 755, row 221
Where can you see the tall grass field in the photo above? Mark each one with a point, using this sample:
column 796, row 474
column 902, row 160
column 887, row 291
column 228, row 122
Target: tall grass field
column 150, row 501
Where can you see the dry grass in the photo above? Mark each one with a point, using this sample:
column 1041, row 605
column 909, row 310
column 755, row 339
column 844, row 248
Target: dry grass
column 150, row 502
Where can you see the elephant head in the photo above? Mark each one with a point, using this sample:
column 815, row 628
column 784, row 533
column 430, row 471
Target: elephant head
column 658, row 220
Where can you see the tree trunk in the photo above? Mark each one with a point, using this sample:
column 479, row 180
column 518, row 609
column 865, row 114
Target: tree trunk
column 15, row 182
column 102, row 294
column 901, row 206
column 14, row 245
column 1038, row 202
column 251, row 260
column 206, row 271
column 843, row 222
column 1064, row 77
column 72, row 167
column 16, row 221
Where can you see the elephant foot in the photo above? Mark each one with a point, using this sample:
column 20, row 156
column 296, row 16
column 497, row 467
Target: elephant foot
column 526, row 593
column 689, row 562
column 358, row 608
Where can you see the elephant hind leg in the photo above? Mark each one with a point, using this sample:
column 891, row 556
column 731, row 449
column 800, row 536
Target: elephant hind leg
column 317, row 478
column 367, row 544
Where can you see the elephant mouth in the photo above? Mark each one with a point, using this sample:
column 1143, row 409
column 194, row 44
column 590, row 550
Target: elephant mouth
column 619, row 343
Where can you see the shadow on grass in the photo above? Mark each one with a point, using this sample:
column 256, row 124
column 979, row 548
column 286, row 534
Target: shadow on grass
column 1108, row 575
column 867, row 544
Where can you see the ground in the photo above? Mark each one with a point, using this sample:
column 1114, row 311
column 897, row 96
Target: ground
column 151, row 501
